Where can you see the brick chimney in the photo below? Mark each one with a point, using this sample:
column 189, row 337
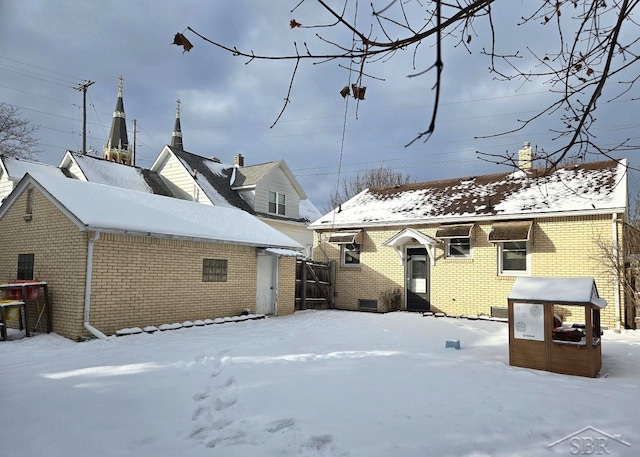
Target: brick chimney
column 525, row 157
column 238, row 160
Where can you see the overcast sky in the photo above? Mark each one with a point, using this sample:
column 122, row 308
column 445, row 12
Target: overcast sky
column 227, row 107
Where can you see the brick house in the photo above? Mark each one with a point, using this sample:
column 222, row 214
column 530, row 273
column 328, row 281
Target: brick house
column 456, row 246
column 116, row 258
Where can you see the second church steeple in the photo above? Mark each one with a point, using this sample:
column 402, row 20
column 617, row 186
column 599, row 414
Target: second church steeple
column 176, row 136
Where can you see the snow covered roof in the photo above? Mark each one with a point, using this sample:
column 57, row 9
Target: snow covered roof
column 214, row 179
column 249, row 176
column 558, row 290
column 98, row 207
column 98, row 170
column 597, row 187
column 308, row 211
column 16, row 167
column 284, row 252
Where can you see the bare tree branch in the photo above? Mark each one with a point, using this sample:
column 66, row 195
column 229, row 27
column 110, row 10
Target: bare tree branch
column 372, row 177
column 16, row 134
column 596, row 42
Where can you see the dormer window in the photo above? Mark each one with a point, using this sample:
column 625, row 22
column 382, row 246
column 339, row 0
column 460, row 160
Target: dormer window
column 277, row 203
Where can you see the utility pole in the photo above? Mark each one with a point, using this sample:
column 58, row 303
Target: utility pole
column 133, row 155
column 82, row 87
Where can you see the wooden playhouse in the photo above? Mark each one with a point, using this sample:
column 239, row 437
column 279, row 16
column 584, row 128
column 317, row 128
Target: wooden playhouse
column 539, row 336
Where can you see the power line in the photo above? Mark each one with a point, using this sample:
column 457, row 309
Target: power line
column 75, row 78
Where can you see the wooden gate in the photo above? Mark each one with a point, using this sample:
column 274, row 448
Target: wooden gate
column 315, row 284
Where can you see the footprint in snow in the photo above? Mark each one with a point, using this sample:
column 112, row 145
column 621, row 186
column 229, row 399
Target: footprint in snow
column 280, row 425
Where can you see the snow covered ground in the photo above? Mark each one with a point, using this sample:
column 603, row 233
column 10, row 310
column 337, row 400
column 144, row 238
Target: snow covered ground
column 318, row 383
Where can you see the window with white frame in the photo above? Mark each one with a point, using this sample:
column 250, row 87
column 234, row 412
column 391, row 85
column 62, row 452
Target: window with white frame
column 277, row 203
column 459, row 247
column 350, row 255
column 513, row 257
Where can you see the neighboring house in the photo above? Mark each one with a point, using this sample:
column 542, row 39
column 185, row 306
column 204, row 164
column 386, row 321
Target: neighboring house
column 456, row 246
column 269, row 190
column 116, row 258
column 12, row 169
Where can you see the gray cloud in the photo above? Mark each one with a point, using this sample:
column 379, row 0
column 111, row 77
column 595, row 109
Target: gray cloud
column 47, row 48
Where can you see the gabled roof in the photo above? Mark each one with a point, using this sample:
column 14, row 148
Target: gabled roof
column 215, row 178
column 251, row 175
column 212, row 177
column 15, row 168
column 98, row 170
column 590, row 188
column 556, row 290
column 98, row 207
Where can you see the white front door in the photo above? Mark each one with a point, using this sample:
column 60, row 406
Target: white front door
column 266, row 290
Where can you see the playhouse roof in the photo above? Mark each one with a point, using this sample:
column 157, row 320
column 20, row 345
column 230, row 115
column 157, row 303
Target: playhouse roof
column 560, row 290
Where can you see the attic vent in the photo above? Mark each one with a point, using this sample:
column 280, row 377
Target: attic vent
column 215, row 159
column 29, row 210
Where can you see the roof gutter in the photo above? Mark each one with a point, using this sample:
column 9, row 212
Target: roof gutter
column 87, row 288
column 90, row 228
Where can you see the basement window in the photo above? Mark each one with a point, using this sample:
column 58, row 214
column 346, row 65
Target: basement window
column 214, row 270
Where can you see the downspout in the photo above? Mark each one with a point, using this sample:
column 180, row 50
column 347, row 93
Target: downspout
column 616, row 261
column 87, row 288
column 275, row 283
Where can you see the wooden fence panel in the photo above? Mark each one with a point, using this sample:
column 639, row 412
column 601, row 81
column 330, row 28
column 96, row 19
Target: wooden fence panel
column 315, row 282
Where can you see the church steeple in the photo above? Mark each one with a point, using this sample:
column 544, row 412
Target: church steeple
column 176, row 136
column 117, row 147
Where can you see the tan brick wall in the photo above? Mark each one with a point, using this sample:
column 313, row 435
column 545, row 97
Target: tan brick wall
column 561, row 247
column 140, row 281
column 380, row 269
column 286, row 286
column 60, row 253
column 136, row 281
